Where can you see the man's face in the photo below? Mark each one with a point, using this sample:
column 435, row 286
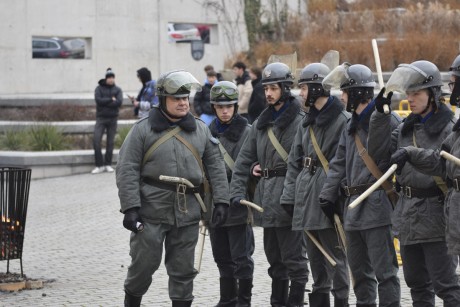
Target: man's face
column 110, row 81
column 177, row 106
column 212, row 79
column 238, row 71
column 272, row 93
column 418, row 100
column 344, row 98
column 304, row 92
column 224, row 112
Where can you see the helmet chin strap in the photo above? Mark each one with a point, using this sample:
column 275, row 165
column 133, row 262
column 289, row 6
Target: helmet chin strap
column 285, row 93
column 165, row 110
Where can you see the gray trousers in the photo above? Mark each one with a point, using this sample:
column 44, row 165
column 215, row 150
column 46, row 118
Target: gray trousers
column 285, row 254
column 327, row 278
column 109, row 125
column 428, row 269
column 146, row 252
column 373, row 264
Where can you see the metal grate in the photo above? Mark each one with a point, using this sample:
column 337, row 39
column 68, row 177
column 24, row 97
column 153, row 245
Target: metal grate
column 14, row 197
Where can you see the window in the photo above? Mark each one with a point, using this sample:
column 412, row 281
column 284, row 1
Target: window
column 61, row 48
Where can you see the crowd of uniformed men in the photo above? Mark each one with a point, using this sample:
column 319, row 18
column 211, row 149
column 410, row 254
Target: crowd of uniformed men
column 303, row 169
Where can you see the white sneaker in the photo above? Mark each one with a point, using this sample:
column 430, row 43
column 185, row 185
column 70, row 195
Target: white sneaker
column 97, row 170
column 109, row 169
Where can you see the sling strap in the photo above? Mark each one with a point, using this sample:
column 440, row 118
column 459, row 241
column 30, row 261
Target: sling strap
column 320, row 155
column 160, row 141
column 442, row 185
column 228, row 160
column 374, row 169
column 279, row 148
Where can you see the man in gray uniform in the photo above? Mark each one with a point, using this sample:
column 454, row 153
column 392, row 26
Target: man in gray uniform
column 232, row 243
column 370, row 249
column 419, row 215
column 169, row 142
column 264, row 154
column 315, row 144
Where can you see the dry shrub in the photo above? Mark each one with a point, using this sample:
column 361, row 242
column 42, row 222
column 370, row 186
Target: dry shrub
column 60, row 112
column 315, row 6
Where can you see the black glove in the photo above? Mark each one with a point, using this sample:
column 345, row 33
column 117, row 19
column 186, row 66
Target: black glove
column 131, row 219
column 289, row 208
column 400, row 157
column 235, row 201
column 380, row 101
column 328, row 208
column 219, row 215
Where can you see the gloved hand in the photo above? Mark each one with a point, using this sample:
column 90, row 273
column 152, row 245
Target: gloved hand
column 380, row 101
column 328, row 208
column 131, row 219
column 400, row 157
column 289, row 208
column 235, row 201
column 219, row 215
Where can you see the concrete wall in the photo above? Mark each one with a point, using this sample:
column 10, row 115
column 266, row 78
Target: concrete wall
column 125, row 35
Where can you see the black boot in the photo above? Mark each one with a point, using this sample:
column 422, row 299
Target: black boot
column 296, row 295
column 341, row 302
column 317, row 299
column 181, row 303
column 228, row 295
column 280, row 290
column 244, row 292
column 132, row 301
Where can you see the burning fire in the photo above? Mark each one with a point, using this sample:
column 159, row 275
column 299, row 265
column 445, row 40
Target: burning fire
column 7, row 234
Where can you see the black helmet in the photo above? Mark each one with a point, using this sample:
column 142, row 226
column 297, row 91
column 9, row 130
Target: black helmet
column 277, row 73
column 313, row 75
column 455, row 67
column 358, row 76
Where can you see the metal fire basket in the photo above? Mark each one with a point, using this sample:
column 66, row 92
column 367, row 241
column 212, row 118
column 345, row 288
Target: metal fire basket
column 14, row 197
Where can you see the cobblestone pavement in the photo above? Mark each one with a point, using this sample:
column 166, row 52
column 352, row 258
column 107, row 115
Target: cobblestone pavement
column 75, row 240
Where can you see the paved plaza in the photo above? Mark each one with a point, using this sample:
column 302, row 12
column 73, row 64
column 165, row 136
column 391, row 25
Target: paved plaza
column 75, row 240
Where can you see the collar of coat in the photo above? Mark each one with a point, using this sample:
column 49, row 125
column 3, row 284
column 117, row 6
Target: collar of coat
column 433, row 125
column 266, row 119
column 234, row 130
column 326, row 116
column 159, row 122
column 355, row 123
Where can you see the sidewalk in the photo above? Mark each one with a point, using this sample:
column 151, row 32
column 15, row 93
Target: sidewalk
column 74, row 237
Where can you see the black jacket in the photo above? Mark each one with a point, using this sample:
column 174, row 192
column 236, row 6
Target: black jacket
column 257, row 102
column 106, row 107
column 202, row 100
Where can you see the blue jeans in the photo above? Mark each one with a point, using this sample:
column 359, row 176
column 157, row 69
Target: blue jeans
column 102, row 125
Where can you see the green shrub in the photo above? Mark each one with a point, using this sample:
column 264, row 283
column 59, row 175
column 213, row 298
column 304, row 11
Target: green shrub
column 14, row 140
column 47, row 138
column 121, row 136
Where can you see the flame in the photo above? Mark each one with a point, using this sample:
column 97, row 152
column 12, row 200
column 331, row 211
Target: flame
column 7, row 221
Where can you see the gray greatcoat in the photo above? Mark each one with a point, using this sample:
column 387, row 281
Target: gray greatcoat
column 374, row 211
column 232, row 140
column 415, row 220
column 430, row 162
column 171, row 158
column 258, row 149
column 301, row 187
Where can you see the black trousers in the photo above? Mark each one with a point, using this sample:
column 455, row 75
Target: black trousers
column 232, row 248
column 102, row 125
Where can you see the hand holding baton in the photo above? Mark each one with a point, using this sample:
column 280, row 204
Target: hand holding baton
column 450, row 157
column 386, row 109
column 374, row 187
column 252, row 205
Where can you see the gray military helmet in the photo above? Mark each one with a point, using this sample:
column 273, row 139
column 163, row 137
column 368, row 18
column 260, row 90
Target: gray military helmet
column 177, row 83
column 313, row 73
column 430, row 73
column 358, row 75
column 455, row 67
column 224, row 93
column 277, row 73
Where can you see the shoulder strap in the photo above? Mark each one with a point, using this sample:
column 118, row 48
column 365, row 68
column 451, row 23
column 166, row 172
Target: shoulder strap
column 370, row 164
column 192, row 149
column 160, row 141
column 279, row 148
column 228, row 160
column 439, row 182
column 320, row 155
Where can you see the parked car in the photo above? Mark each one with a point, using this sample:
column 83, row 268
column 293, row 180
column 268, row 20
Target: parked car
column 182, row 32
column 49, row 48
column 76, row 47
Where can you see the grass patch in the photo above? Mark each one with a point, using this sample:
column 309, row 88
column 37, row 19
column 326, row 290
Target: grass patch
column 122, row 133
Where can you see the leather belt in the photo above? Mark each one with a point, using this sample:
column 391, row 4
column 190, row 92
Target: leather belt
column 269, row 173
column 310, row 163
column 174, row 187
column 411, row 192
column 358, row 189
